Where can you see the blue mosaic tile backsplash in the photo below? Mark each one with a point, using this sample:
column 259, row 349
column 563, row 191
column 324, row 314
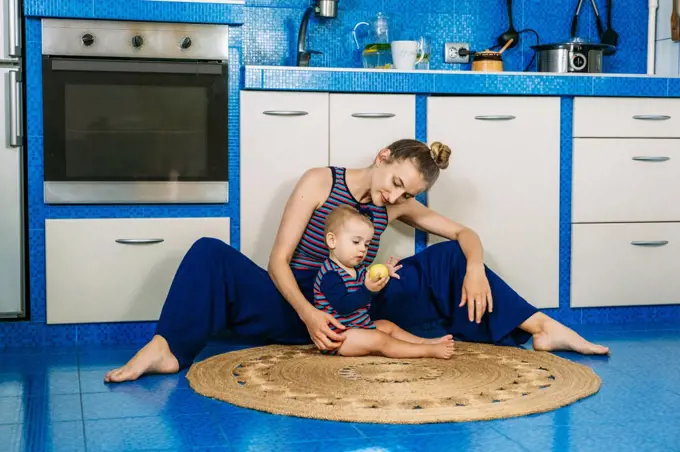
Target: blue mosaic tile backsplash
column 271, row 28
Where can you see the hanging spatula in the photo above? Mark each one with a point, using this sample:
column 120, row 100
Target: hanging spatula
column 675, row 23
column 610, row 36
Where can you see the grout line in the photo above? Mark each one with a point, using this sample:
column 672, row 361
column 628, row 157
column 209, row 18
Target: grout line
column 80, row 393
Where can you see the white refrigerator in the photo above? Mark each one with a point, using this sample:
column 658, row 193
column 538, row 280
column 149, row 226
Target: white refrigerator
column 12, row 227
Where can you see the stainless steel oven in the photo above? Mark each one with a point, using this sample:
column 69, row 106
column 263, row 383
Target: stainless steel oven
column 135, row 112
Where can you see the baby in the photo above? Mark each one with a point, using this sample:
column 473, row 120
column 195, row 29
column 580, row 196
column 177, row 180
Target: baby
column 343, row 289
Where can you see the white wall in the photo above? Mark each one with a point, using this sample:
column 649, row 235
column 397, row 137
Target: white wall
column 667, row 52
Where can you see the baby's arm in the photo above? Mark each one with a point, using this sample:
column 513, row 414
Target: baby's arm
column 342, row 300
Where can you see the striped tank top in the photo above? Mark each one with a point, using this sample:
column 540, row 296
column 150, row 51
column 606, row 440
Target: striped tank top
column 312, row 251
column 358, row 318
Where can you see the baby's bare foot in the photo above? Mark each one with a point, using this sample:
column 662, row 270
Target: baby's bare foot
column 443, row 350
column 439, row 340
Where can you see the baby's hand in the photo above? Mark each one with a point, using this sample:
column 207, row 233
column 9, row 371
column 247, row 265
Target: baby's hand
column 376, row 285
column 392, row 267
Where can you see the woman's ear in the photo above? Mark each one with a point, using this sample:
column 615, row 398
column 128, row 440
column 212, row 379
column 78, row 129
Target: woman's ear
column 383, row 156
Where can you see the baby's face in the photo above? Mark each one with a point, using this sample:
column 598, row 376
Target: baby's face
column 352, row 240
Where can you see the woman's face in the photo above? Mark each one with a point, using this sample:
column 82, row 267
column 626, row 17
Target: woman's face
column 395, row 182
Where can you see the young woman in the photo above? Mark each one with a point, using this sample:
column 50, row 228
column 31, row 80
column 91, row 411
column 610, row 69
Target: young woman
column 447, row 284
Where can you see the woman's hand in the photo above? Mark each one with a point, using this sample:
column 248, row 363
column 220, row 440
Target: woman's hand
column 476, row 293
column 393, row 267
column 317, row 325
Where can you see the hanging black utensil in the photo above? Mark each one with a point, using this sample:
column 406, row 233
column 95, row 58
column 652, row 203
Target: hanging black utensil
column 609, row 36
column 574, row 21
column 511, row 33
column 598, row 21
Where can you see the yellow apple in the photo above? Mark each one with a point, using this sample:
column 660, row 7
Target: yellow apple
column 377, row 271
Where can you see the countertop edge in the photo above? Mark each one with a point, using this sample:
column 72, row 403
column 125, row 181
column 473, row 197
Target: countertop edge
column 285, row 78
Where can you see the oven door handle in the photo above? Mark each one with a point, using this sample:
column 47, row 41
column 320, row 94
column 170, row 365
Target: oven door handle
column 158, row 67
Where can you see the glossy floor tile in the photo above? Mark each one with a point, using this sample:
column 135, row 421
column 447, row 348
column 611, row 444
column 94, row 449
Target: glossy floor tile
column 56, row 400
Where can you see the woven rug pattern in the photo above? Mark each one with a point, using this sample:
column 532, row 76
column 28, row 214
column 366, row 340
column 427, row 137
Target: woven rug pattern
column 479, row 382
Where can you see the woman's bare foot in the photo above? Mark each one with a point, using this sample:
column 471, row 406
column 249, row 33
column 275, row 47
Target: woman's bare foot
column 443, row 350
column 438, row 340
column 155, row 357
column 556, row 337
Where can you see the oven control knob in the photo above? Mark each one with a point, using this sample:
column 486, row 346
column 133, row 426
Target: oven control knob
column 87, row 39
column 185, row 42
column 137, row 41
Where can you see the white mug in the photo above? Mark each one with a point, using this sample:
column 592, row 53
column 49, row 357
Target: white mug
column 404, row 54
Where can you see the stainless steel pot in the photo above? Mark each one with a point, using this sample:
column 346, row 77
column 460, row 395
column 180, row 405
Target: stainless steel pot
column 574, row 56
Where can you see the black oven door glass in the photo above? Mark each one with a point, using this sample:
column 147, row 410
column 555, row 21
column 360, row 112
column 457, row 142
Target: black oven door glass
column 121, row 120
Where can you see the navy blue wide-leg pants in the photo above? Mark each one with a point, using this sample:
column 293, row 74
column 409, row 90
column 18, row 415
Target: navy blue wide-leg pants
column 217, row 288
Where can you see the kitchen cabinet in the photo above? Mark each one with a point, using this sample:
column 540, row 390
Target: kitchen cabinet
column 503, row 182
column 624, row 264
column 12, row 231
column 282, row 135
column 626, row 219
column 360, row 126
column 117, row 270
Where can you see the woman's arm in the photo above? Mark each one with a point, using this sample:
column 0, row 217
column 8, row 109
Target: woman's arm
column 476, row 289
column 416, row 215
column 299, row 209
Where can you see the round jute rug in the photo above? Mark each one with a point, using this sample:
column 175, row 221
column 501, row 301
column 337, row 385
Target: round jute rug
column 479, row 382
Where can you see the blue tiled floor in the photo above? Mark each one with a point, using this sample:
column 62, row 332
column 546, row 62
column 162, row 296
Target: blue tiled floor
column 55, row 400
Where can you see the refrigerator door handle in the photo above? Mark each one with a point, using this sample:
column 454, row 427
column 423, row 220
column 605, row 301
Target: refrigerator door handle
column 14, row 22
column 15, row 111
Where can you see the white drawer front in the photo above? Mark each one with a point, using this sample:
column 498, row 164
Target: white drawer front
column 626, row 117
column 93, row 278
column 608, row 269
column 623, row 180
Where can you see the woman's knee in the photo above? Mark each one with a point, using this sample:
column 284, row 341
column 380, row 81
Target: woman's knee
column 207, row 246
column 451, row 248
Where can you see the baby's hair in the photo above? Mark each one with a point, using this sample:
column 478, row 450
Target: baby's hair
column 339, row 215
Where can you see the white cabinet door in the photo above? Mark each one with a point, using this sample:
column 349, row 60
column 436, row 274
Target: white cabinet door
column 625, row 264
column 360, row 126
column 10, row 29
column 117, row 270
column 11, row 203
column 503, row 182
column 283, row 134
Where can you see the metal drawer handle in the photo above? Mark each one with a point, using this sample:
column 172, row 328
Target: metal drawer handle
column 652, row 243
column 285, row 113
column 139, row 241
column 495, row 117
column 15, row 113
column 373, row 115
column 651, row 159
column 14, row 26
column 652, row 117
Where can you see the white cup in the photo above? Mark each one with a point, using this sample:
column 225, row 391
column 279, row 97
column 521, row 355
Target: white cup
column 404, row 54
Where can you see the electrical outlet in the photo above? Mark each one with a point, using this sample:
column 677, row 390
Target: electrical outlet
column 452, row 52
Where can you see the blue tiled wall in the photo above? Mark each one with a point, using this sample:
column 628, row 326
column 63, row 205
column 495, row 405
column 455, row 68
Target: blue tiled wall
column 271, row 29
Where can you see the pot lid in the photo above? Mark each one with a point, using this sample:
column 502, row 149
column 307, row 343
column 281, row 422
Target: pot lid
column 574, row 42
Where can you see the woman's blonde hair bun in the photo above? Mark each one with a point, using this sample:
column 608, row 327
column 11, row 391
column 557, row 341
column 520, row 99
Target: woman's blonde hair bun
column 440, row 153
